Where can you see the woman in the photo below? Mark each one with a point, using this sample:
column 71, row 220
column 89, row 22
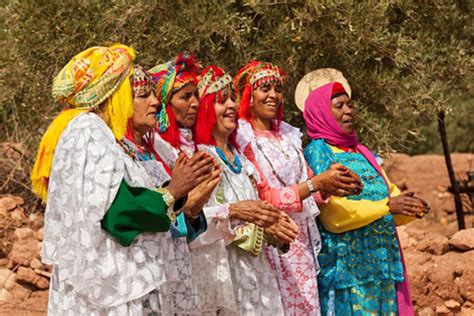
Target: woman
column 138, row 142
column 106, row 228
column 274, row 148
column 231, row 243
column 360, row 259
column 176, row 90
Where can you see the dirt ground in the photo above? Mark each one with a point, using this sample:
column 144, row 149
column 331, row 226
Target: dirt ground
column 439, row 260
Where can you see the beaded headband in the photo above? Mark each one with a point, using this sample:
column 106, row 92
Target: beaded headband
column 208, row 84
column 141, row 81
column 265, row 73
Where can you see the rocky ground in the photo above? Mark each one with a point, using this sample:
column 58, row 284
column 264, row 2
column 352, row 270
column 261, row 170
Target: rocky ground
column 440, row 260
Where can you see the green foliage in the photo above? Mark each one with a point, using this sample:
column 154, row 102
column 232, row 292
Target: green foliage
column 403, row 58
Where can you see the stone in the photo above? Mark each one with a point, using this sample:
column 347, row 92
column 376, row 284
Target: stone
column 463, row 239
column 3, row 262
column 24, row 233
column 36, row 220
column 18, row 215
column 28, row 276
column 20, row 293
column 10, row 202
column 453, row 305
column 442, row 310
column 466, row 279
column 43, row 273
column 7, row 279
column 432, row 243
column 5, row 296
column 38, row 299
column 23, row 251
column 427, row 311
column 40, row 234
column 36, row 264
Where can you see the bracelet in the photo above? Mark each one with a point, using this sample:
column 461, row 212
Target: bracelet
column 168, row 198
column 309, row 183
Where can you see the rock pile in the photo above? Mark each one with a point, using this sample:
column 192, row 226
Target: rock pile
column 24, row 279
column 441, row 271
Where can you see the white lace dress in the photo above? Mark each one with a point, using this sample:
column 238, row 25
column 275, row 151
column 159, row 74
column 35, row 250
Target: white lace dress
column 183, row 294
column 279, row 159
column 231, row 281
column 92, row 273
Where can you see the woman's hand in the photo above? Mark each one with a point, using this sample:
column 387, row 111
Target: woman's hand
column 260, row 213
column 285, row 229
column 199, row 196
column 189, row 173
column 338, row 181
column 407, row 204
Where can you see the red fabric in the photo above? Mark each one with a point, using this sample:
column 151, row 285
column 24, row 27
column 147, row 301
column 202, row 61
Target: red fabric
column 286, row 199
column 337, row 88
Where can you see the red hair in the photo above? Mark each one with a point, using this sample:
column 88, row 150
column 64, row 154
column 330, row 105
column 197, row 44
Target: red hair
column 244, row 89
column 206, row 119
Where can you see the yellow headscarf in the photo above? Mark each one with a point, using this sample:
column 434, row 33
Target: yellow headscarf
column 94, row 76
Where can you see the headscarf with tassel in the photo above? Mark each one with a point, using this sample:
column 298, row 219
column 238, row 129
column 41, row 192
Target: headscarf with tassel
column 170, row 77
column 92, row 77
column 250, row 77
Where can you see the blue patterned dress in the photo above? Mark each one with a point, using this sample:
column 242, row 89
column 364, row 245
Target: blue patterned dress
column 359, row 268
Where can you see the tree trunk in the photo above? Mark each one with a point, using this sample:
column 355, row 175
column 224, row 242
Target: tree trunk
column 449, row 165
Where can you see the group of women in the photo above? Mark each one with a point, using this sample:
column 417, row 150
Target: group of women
column 181, row 191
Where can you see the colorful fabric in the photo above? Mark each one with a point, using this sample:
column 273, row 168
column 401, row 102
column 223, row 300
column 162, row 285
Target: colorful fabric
column 321, row 123
column 214, row 79
column 141, row 81
column 353, row 259
column 249, row 78
column 278, row 157
column 92, row 77
column 171, row 77
column 370, row 299
column 88, row 168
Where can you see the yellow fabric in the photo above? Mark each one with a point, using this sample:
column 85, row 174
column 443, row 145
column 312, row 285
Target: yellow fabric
column 340, row 214
column 42, row 167
column 93, row 76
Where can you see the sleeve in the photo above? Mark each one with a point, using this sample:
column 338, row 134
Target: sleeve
column 318, row 156
column 394, row 191
column 218, row 227
column 287, row 199
column 133, row 211
column 196, row 227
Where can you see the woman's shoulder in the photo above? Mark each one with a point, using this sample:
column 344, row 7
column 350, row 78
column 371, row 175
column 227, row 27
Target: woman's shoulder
column 244, row 134
column 84, row 128
column 316, row 146
column 291, row 132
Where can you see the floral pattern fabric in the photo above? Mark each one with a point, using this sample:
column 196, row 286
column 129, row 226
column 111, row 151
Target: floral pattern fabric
column 92, row 273
column 359, row 268
column 279, row 159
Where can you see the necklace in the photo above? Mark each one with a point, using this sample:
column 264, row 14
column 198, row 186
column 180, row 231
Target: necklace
column 133, row 150
column 235, row 166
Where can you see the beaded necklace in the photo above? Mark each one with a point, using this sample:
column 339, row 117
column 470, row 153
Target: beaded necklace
column 235, row 166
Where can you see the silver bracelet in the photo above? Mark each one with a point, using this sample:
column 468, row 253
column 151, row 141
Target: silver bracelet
column 309, row 183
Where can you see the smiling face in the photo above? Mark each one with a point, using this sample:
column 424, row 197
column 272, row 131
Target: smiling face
column 344, row 113
column 145, row 107
column 226, row 114
column 266, row 100
column 184, row 104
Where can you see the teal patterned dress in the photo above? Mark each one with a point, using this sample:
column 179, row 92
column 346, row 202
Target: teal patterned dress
column 359, row 268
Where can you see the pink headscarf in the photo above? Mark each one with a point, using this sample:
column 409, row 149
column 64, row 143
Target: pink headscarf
column 321, row 124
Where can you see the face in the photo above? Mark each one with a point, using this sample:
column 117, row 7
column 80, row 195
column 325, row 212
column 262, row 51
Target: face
column 145, row 107
column 344, row 113
column 266, row 100
column 184, row 104
column 225, row 117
